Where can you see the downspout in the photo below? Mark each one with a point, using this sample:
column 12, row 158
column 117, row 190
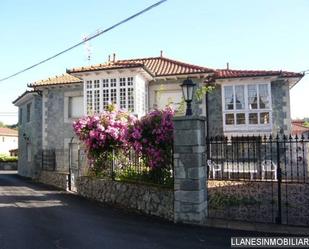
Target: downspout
column 207, row 132
column 70, row 165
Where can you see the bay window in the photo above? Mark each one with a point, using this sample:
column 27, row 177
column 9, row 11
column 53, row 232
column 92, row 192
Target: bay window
column 246, row 106
column 100, row 93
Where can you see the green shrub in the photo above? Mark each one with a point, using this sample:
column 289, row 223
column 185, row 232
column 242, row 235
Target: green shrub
column 6, row 158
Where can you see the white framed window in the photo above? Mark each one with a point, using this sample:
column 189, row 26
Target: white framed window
column 113, row 91
column 93, row 96
column 89, row 97
column 96, row 96
column 103, row 92
column 75, row 106
column 246, row 106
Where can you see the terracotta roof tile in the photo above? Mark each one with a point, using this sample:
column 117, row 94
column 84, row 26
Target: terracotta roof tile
column 60, row 79
column 228, row 73
column 156, row 66
column 4, row 131
column 298, row 127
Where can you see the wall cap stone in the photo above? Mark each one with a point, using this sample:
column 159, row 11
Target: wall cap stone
column 187, row 118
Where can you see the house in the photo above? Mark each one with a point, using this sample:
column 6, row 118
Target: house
column 14, row 152
column 8, row 140
column 299, row 129
column 242, row 102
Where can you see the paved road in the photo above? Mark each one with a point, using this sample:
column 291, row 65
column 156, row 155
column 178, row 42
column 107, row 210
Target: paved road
column 34, row 216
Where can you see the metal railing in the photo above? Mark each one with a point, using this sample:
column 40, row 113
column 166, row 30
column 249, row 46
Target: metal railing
column 130, row 167
column 258, row 158
column 48, row 159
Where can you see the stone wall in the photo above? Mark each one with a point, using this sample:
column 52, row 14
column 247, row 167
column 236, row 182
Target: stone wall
column 281, row 107
column 215, row 120
column 258, row 201
column 8, row 165
column 190, row 203
column 30, row 138
column 146, row 199
column 57, row 126
column 54, row 178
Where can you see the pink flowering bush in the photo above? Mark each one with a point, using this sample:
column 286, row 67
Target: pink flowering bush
column 152, row 138
column 112, row 134
column 104, row 133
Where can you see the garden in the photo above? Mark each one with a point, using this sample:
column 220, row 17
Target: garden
column 124, row 148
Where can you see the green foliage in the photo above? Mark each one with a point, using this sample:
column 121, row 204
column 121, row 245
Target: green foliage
column 6, row 158
column 201, row 91
column 221, row 201
column 13, row 126
column 306, row 124
column 161, row 176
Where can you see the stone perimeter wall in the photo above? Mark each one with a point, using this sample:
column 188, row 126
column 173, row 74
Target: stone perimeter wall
column 56, row 179
column 8, row 165
column 146, row 199
column 258, row 202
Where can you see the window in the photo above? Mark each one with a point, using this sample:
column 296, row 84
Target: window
column 28, row 150
column 118, row 91
column 20, row 115
column 246, row 106
column 28, row 112
column 75, row 107
column 96, row 96
column 105, row 85
column 93, row 96
column 122, row 98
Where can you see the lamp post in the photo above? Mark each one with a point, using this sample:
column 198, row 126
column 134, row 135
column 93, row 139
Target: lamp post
column 187, row 87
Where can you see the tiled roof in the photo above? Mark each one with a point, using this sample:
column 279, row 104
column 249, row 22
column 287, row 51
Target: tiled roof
column 228, row 73
column 4, row 131
column 298, row 127
column 60, row 79
column 156, row 66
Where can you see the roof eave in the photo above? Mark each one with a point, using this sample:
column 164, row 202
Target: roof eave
column 34, row 86
column 182, row 75
column 101, row 69
column 24, row 97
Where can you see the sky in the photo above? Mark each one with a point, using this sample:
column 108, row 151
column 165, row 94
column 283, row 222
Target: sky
column 256, row 34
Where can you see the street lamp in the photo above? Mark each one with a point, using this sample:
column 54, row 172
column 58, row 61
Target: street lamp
column 187, row 87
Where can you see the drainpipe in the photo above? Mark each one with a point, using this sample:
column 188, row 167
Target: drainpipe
column 70, row 164
column 207, row 131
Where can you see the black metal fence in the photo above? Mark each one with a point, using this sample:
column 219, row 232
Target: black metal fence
column 257, row 158
column 48, row 157
column 259, row 178
column 130, row 167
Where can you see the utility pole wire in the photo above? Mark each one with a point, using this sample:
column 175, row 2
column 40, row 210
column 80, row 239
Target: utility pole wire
column 87, row 39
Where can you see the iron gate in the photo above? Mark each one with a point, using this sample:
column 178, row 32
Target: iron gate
column 76, row 159
column 259, row 179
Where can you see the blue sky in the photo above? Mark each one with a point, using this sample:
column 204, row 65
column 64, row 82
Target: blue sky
column 260, row 34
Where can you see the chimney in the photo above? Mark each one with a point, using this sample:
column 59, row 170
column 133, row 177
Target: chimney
column 114, row 57
column 109, row 58
column 227, row 66
column 161, row 53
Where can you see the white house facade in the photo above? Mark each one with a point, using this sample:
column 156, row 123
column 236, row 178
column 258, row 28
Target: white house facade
column 8, row 140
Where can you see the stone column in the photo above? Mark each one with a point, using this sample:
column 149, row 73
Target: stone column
column 190, row 186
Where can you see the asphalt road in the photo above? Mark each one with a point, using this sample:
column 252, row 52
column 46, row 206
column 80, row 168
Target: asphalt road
column 34, row 216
